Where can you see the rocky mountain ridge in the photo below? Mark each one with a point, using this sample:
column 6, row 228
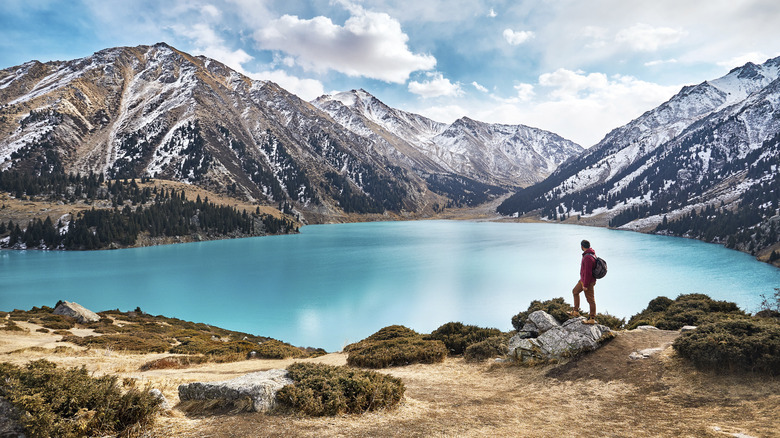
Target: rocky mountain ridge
column 155, row 111
column 710, row 150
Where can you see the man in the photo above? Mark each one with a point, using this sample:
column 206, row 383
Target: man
column 586, row 283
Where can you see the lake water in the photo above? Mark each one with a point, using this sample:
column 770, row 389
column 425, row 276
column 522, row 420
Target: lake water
column 335, row 284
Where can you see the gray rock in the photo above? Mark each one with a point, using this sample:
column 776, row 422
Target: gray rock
column 164, row 405
column 558, row 341
column 9, row 421
column 646, row 327
column 77, row 311
column 541, row 321
column 688, row 328
column 261, row 387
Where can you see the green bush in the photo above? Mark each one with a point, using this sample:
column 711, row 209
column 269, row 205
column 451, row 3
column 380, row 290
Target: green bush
column 486, row 349
column 394, row 346
column 457, row 336
column 690, row 309
column 747, row 344
column 329, row 390
column 556, row 307
column 71, row 403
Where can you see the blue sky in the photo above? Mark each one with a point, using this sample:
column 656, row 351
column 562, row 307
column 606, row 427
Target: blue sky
column 575, row 67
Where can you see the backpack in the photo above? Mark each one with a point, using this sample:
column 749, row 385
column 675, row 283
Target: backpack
column 599, row 268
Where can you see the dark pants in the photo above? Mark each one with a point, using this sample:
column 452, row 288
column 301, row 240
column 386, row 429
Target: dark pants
column 589, row 295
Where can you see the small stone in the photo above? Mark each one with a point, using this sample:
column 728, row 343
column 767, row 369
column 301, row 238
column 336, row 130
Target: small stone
column 688, row 328
column 164, row 405
column 646, row 327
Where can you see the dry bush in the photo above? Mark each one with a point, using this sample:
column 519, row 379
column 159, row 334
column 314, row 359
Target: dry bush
column 71, row 403
column 495, row 346
column 690, row 309
column 321, row 389
column 396, row 352
column 457, row 336
column 736, row 345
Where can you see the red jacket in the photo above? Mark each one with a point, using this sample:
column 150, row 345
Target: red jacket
column 586, row 267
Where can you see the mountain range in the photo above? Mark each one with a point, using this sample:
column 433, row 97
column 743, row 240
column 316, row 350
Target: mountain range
column 704, row 164
column 154, row 111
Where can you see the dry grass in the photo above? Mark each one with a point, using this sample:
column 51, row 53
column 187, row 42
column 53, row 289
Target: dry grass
column 602, row 394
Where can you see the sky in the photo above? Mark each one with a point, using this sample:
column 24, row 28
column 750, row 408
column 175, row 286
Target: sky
column 579, row 68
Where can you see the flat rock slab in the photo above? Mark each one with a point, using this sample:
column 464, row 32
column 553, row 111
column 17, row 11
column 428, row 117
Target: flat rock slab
column 260, row 386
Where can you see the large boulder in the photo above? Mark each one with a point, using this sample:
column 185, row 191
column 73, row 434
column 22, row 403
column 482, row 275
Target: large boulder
column 77, row 311
column 554, row 340
column 261, row 387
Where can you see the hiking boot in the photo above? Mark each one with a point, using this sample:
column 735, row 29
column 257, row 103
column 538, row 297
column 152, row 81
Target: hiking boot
column 589, row 321
column 574, row 313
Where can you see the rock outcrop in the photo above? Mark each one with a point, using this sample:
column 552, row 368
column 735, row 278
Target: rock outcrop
column 77, row 311
column 261, row 387
column 543, row 338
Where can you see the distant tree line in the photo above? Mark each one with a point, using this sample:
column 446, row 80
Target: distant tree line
column 159, row 213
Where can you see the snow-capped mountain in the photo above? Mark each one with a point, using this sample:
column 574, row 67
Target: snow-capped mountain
column 712, row 147
column 156, row 111
column 504, row 155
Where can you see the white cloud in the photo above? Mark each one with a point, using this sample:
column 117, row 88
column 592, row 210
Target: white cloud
column 306, row 89
column 517, row 37
column 567, row 84
column 209, row 43
column 492, row 13
column 645, row 38
column 660, row 62
column 738, row 61
column 479, row 87
column 436, row 86
column 525, row 92
column 369, row 44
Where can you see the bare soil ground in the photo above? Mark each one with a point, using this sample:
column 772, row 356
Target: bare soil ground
column 602, row 394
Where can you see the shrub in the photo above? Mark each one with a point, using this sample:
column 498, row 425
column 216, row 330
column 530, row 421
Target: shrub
column 690, row 309
column 397, row 352
column 140, row 342
column 11, row 326
column 71, row 403
column 486, row 349
column 457, row 336
column 170, row 362
column 556, row 307
column 273, row 349
column 748, row 344
column 321, row 389
column 58, row 322
column 384, row 334
column 610, row 321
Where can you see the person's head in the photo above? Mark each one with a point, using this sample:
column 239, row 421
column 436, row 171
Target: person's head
column 585, row 245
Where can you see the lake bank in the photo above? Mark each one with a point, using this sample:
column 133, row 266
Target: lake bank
column 602, row 394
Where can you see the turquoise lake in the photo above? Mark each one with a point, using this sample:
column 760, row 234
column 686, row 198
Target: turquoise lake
column 335, row 284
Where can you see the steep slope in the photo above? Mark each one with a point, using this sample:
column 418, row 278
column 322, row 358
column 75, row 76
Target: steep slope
column 712, row 149
column 502, row 155
column 156, row 111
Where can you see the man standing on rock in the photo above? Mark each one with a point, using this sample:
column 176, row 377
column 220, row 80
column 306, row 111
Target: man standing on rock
column 586, row 283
